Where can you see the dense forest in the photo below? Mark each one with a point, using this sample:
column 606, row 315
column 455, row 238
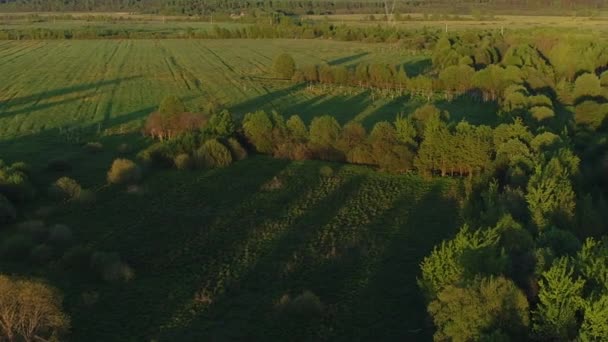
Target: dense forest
column 203, row 7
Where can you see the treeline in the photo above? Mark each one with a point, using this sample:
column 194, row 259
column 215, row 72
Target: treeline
column 202, row 7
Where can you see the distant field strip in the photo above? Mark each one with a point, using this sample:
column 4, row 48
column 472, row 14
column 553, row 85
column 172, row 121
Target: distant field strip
column 49, row 84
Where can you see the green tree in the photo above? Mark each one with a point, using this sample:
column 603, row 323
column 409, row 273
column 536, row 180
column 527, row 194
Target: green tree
column 406, row 131
column 486, row 308
column 221, row 124
column 560, row 299
column 587, row 85
column 297, row 128
column 258, row 127
column 324, row 130
column 171, row 105
column 213, row 154
column 595, row 321
column 284, row 66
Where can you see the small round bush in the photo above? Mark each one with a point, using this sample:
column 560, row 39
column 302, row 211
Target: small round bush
column 36, row 229
column 65, row 189
column 8, row 213
column 124, row 171
column 60, row 235
column 326, row 171
column 16, row 247
column 41, row 254
column 183, row 161
column 110, row 267
column 58, row 165
column 93, row 147
column 213, row 154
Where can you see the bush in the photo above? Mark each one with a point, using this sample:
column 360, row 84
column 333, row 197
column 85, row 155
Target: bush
column 93, row 147
column 213, row 154
column 236, row 149
column 326, row 171
column 41, row 254
column 60, row 235
column 16, row 247
column 110, row 267
column 8, row 213
column 124, row 171
column 65, row 189
column 183, row 161
column 158, row 155
column 284, row 66
column 36, row 229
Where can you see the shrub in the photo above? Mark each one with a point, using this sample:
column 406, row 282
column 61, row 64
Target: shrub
column 183, row 161
column 305, row 306
column 16, row 247
column 158, row 155
column 60, row 235
column 236, row 149
column 41, row 254
column 93, row 147
column 284, row 66
column 8, row 213
column 213, row 154
column 124, row 171
column 65, row 189
column 326, row 171
column 36, row 229
column 110, row 267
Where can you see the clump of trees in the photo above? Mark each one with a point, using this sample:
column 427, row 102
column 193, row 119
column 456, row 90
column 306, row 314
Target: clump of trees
column 31, row 310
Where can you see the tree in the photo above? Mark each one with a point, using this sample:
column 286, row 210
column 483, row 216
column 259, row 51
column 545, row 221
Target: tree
column 353, row 134
column 324, row 130
column 406, row 131
column 213, row 154
column 284, row 66
column 297, row 128
column 550, row 197
column 587, row 85
column 541, row 113
column 489, row 307
column 258, row 128
column 30, row 311
column 171, row 105
column 595, row 321
column 221, row 124
column 560, row 299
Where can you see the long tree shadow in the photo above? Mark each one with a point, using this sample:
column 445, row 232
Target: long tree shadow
column 265, row 280
column 390, row 306
column 348, row 59
column 38, row 107
column 24, row 100
column 263, row 100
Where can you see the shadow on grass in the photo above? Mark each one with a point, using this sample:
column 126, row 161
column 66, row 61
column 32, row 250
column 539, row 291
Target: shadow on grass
column 347, row 59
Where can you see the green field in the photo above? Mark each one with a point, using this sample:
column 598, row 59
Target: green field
column 355, row 239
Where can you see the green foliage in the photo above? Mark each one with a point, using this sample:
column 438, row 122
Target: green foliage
column 455, row 261
column 65, row 189
column 550, row 197
column 324, row 130
column 284, row 66
column 221, row 124
column 587, row 85
column 213, row 154
column 406, row 131
column 171, row 105
column 183, row 161
column 297, row 128
column 258, row 128
column 560, row 299
column 488, row 306
column 595, row 321
column 236, row 149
